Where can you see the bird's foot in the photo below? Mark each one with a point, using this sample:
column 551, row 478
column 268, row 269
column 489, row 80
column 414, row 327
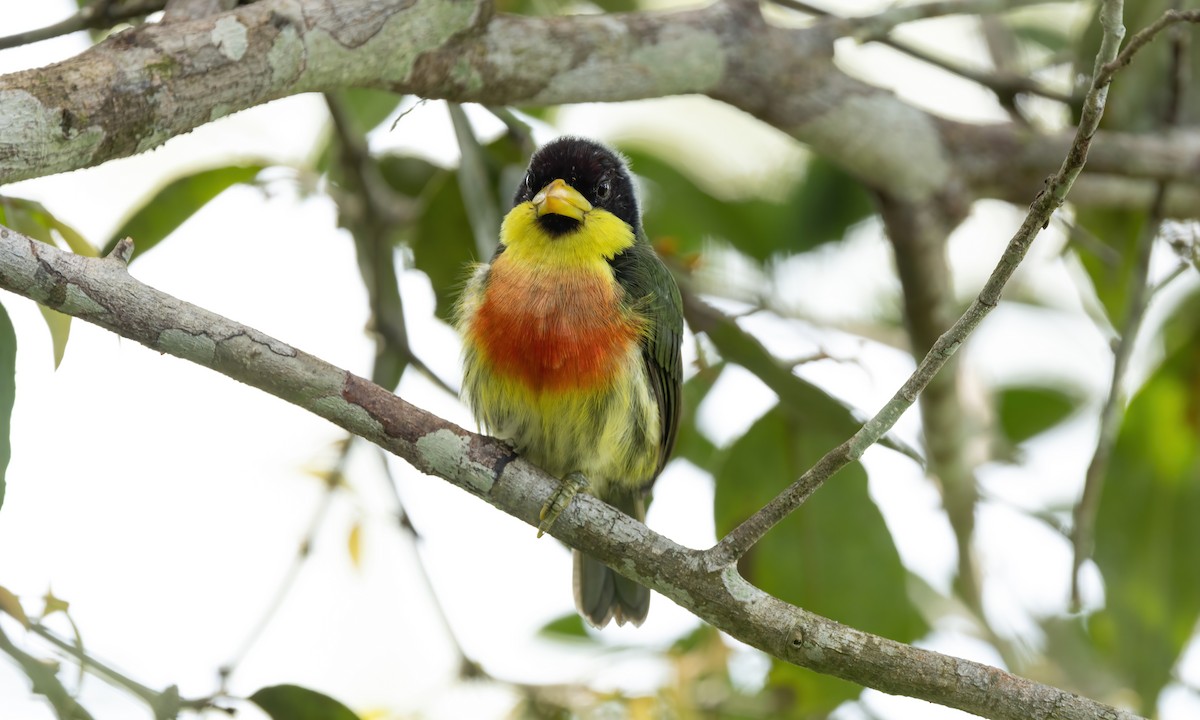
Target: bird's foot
column 567, row 490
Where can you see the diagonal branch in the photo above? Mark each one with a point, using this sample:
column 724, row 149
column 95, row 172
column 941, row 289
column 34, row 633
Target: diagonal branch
column 742, row 538
column 1083, row 531
column 101, row 291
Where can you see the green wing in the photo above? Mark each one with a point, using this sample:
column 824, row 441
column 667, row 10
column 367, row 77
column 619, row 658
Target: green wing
column 651, row 289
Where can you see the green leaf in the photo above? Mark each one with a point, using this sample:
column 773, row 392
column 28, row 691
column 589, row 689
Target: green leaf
column 367, row 107
column 292, row 702
column 1049, row 37
column 565, row 627
column 11, row 605
column 824, row 205
column 34, row 220
column 1106, row 241
column 818, row 209
column 1139, row 101
column 364, row 109
column 678, row 208
column 834, row 556
column 60, row 331
column 165, row 210
column 43, row 676
column 690, row 443
column 1146, row 529
column 8, row 392
column 1030, row 410
column 442, row 243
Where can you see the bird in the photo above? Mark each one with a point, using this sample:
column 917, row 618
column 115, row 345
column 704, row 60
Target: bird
column 571, row 348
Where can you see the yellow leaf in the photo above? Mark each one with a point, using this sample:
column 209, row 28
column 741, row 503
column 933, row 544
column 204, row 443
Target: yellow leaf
column 60, row 330
column 54, row 604
column 354, row 544
column 11, row 605
column 73, row 239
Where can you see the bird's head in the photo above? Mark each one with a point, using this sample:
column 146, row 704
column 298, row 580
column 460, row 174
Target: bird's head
column 570, row 178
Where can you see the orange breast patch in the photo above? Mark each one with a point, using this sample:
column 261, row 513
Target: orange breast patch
column 553, row 331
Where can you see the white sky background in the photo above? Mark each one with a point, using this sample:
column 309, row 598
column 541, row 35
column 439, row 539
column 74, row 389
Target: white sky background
column 168, row 520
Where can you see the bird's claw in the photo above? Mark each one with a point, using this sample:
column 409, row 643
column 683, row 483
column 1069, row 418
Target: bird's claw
column 567, row 490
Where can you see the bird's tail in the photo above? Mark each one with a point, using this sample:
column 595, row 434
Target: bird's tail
column 602, row 594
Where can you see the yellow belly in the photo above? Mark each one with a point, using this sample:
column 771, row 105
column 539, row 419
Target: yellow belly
column 602, row 421
column 610, row 434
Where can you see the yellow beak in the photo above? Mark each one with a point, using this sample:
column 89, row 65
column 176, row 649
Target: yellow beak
column 559, row 198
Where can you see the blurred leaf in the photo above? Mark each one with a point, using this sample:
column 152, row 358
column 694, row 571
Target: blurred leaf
column 1030, row 410
column 376, row 232
column 1070, row 648
column 834, row 556
column 690, row 443
column 52, row 604
column 8, row 392
column 60, row 331
column 44, row 677
column 1053, row 38
column 566, row 627
column 616, row 6
column 441, row 240
column 676, row 207
column 1146, row 529
column 165, row 210
column 1108, row 252
column 367, row 107
column 354, row 544
column 697, row 639
column 11, row 605
column 824, row 204
column 31, row 218
column 739, row 346
column 292, row 702
column 34, row 220
column 475, row 183
column 1137, row 102
column 818, row 209
column 72, row 238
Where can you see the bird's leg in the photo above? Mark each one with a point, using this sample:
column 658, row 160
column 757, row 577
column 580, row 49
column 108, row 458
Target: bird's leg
column 567, row 490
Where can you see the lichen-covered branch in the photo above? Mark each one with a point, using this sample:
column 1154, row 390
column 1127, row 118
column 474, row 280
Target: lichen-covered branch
column 101, row 291
column 145, row 85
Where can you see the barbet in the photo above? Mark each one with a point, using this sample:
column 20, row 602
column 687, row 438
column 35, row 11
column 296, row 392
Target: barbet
column 572, row 347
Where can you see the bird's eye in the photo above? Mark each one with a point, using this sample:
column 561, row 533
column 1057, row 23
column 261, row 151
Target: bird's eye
column 603, row 190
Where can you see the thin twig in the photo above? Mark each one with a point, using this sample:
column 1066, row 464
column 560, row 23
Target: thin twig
column 517, row 128
column 109, row 297
column 99, row 15
column 468, row 667
column 743, row 537
column 875, row 27
column 1137, row 302
column 45, row 680
column 482, row 211
column 379, row 210
column 161, row 702
column 1004, row 85
column 303, row 551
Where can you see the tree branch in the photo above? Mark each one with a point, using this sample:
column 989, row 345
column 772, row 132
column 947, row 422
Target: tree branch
column 101, row 291
column 145, row 85
column 98, row 15
column 739, row 541
column 918, row 234
column 1138, row 300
